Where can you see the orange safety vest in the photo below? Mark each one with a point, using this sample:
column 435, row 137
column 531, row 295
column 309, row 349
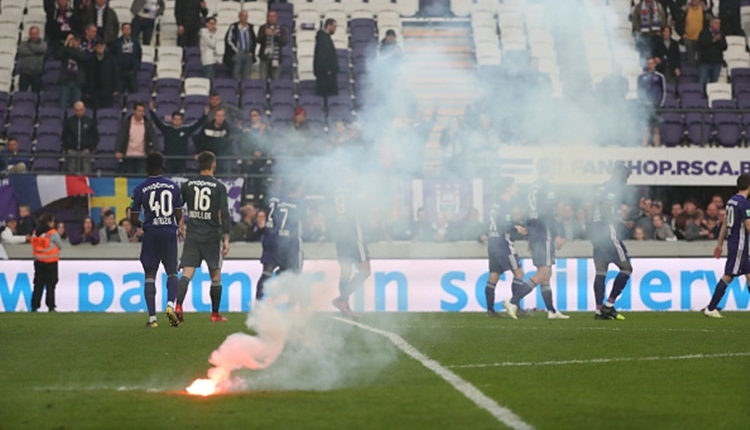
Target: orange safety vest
column 44, row 250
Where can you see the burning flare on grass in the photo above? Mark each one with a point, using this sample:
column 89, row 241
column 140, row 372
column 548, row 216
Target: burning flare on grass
column 202, row 387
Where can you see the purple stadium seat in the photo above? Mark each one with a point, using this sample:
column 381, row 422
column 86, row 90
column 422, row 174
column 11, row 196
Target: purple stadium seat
column 728, row 129
column 740, row 75
column 228, row 95
column 282, row 94
column 112, row 113
column 253, row 84
column 723, row 104
column 106, row 164
column 254, row 96
column 743, row 101
column 193, row 70
column 698, row 127
column 286, row 71
column 223, row 83
column 50, row 127
column 141, row 96
column 192, row 52
column 671, row 102
column 50, row 97
column 339, row 113
column 20, row 125
column 49, row 79
column 362, row 23
column 738, row 89
column 108, row 125
column 167, row 107
column 50, row 112
column 278, row 84
column 193, row 112
column 163, row 83
column 306, row 87
column 48, row 143
column 196, row 100
column 310, row 100
column 315, row 114
column 671, row 128
column 691, row 88
column 694, row 101
column 340, row 100
column 168, row 94
column 107, row 141
column 46, row 163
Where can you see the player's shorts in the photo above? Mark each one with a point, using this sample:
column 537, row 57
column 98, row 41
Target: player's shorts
column 610, row 251
column 501, row 262
column 542, row 248
column 286, row 254
column 352, row 252
column 738, row 260
column 159, row 247
column 194, row 252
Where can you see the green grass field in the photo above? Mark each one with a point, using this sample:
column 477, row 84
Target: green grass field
column 655, row 370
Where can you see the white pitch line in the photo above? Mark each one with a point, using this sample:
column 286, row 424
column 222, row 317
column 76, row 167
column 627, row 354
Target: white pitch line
column 598, row 360
column 501, row 413
column 514, row 327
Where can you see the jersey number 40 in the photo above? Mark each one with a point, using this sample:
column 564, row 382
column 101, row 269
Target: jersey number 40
column 162, row 206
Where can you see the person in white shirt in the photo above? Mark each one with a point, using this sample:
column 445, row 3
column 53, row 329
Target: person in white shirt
column 9, row 236
column 208, row 44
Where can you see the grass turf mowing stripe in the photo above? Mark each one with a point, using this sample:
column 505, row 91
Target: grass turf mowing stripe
column 599, row 360
column 501, row 413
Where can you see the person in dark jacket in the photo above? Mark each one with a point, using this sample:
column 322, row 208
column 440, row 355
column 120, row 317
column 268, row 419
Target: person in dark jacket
column 135, row 140
column 59, row 25
column 188, row 14
column 667, row 55
column 216, row 136
column 729, row 13
column 105, row 19
column 31, row 61
column 176, row 138
column 103, row 77
column 652, row 91
column 72, row 72
column 326, row 62
column 128, row 53
column 145, row 13
column 239, row 47
column 271, row 37
column 80, row 136
column 87, row 233
column 711, row 47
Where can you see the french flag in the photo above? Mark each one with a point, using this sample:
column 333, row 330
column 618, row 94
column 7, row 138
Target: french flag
column 39, row 191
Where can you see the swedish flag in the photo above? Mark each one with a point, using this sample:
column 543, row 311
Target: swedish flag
column 112, row 193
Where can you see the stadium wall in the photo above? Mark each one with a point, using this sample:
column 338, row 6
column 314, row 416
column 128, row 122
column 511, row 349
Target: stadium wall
column 407, row 277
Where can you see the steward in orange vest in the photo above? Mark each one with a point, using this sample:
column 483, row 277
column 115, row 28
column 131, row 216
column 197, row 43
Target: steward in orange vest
column 46, row 245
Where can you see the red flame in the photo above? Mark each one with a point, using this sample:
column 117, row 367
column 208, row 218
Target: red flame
column 202, row 387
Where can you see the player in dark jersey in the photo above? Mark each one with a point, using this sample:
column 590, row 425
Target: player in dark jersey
column 161, row 203
column 736, row 231
column 351, row 249
column 608, row 248
column 500, row 250
column 543, row 240
column 207, row 236
column 282, row 241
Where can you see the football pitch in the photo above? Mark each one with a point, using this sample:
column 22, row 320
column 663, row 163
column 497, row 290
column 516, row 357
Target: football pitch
column 654, row 370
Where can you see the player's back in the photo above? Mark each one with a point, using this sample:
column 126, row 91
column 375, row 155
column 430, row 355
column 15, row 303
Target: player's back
column 206, row 200
column 284, row 219
column 501, row 221
column 541, row 206
column 157, row 198
column 738, row 210
column 605, row 207
column 347, row 226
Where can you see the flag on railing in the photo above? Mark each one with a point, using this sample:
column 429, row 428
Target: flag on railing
column 40, row 191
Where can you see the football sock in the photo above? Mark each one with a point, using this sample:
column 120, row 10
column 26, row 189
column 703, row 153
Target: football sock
column 516, row 286
column 259, row 287
column 599, row 290
column 150, row 293
column 182, row 289
column 172, row 288
column 354, row 284
column 343, row 283
column 719, row 291
column 489, row 295
column 547, row 297
column 523, row 291
column 620, row 281
column 215, row 296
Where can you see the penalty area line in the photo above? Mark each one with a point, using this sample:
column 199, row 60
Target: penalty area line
column 501, row 413
column 599, row 360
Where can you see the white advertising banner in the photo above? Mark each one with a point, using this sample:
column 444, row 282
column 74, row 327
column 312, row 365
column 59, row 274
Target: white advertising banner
column 665, row 284
column 649, row 166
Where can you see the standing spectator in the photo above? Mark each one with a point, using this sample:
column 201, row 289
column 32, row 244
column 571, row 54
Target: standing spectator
column 89, row 42
column 128, row 53
column 111, row 232
column 88, row 233
column 176, row 138
column 10, row 234
column 694, row 16
column 26, row 222
column 12, row 159
column 145, row 13
column 80, row 15
column 729, row 14
column 208, row 47
column 188, row 14
column 648, row 17
column 240, row 231
column 59, row 26
column 105, row 20
column 652, row 91
column 253, row 145
column 423, row 229
column 135, row 139
column 326, row 62
column 667, row 55
column 272, row 37
column 662, row 230
column 694, row 229
column 103, row 77
column 31, row 61
column 239, row 47
column 711, row 47
column 45, row 246
column 718, row 201
column 216, row 136
column 80, row 136
column 72, row 72
column 389, row 47
column 232, row 113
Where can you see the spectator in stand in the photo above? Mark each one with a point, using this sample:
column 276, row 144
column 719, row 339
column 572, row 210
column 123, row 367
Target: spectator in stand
column 88, row 43
column 80, row 15
column 188, row 14
column 674, row 212
column 648, row 17
column 72, row 72
column 657, row 208
column 105, row 20
column 652, row 91
column 690, row 206
column 209, row 44
column 26, row 222
column 694, row 229
column 667, row 55
column 60, row 227
column 88, row 233
column 711, row 47
column 326, row 62
column 271, row 37
column 729, row 13
column 136, row 138
column 694, row 16
column 80, row 136
column 469, row 228
column 662, row 230
column 12, row 159
column 103, row 77
column 176, row 138
column 232, row 113
column 31, row 61
column 389, row 47
column 134, row 234
column 239, row 47
column 253, row 145
column 718, row 201
column 111, row 232
column 145, row 13
column 59, row 25
column 216, row 136
column 10, row 234
column 423, row 228
column 643, row 218
column 569, row 226
column 239, row 231
column 625, row 228
column 639, row 234
column 128, row 53
column 712, row 212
